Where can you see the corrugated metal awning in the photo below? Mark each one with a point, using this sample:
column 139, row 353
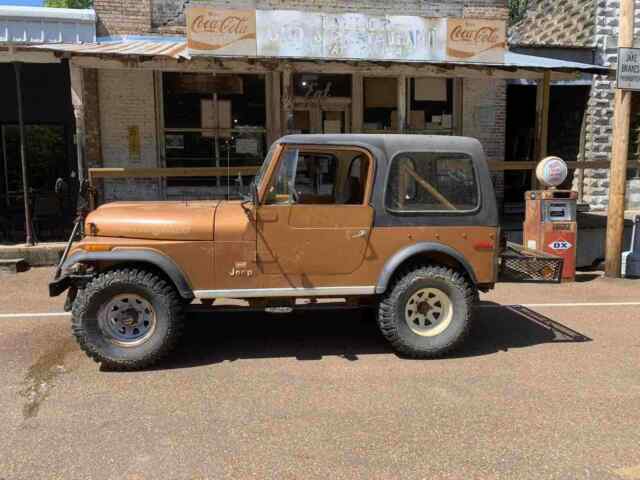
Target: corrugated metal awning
column 176, row 48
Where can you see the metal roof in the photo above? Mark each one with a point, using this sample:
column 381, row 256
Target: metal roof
column 176, row 48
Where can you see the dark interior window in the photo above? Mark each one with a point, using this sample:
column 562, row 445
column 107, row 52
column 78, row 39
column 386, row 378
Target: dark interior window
column 431, row 181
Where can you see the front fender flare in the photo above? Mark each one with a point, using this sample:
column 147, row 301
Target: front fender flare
column 392, row 264
column 156, row 259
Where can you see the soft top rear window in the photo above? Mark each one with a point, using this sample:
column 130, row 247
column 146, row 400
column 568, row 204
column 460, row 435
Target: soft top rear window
column 432, row 182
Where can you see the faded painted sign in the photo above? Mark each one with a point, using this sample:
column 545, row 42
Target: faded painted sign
column 221, row 32
column 297, row 34
column 284, row 33
column 477, row 40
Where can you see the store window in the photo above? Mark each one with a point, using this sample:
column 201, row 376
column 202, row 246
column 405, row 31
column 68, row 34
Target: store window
column 431, row 182
column 322, row 103
column 430, row 106
column 214, row 121
column 380, row 104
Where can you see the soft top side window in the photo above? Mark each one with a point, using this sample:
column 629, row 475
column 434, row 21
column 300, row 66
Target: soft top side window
column 431, row 182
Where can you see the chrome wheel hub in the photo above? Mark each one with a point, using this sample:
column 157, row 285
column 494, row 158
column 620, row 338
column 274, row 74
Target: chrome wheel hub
column 428, row 312
column 127, row 320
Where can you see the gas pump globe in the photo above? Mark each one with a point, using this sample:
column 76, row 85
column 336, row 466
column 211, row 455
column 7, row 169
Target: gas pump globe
column 550, row 223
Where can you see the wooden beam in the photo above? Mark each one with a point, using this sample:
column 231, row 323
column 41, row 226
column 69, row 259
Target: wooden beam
column 273, row 111
column 380, row 69
column 619, row 154
column 95, row 173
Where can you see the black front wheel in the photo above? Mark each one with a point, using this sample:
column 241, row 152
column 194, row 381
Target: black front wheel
column 127, row 319
column 427, row 312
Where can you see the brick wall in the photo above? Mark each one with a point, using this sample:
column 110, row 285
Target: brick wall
column 484, row 118
column 121, row 17
column 127, row 100
column 171, row 12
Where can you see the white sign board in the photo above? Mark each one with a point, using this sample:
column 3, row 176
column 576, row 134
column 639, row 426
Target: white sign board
column 628, row 75
column 289, row 33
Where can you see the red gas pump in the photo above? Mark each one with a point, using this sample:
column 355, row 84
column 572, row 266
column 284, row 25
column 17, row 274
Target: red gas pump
column 550, row 223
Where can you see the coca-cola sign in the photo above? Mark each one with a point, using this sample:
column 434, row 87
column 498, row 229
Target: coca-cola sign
column 476, row 39
column 221, row 32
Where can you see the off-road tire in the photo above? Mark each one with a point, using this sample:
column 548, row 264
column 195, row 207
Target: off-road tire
column 391, row 312
column 165, row 300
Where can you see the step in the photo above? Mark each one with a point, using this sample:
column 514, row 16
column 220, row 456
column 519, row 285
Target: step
column 13, row 266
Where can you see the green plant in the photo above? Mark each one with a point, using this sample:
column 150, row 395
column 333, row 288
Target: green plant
column 517, row 10
column 68, row 3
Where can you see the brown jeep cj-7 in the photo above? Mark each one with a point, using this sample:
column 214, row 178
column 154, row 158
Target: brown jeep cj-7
column 404, row 222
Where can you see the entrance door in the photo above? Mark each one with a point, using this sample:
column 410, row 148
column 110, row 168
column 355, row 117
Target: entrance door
column 315, row 219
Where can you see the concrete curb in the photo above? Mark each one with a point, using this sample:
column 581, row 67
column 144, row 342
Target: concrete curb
column 41, row 255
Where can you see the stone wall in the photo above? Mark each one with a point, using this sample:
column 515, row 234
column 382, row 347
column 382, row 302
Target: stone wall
column 127, row 100
column 553, row 22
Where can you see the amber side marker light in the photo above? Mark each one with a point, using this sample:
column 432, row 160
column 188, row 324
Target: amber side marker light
column 96, row 247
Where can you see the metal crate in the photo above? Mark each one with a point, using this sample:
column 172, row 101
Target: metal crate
column 520, row 264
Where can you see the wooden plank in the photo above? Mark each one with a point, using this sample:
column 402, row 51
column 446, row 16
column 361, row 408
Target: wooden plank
column 402, row 103
column 357, row 102
column 95, row 173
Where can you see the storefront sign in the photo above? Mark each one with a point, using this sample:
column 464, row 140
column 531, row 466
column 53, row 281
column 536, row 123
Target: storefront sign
column 284, row 33
column 297, row 34
column 221, row 32
column 629, row 68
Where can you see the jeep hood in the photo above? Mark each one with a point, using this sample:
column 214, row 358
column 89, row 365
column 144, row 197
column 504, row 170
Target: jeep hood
column 154, row 220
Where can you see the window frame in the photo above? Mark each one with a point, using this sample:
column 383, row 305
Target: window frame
column 410, row 212
column 319, row 148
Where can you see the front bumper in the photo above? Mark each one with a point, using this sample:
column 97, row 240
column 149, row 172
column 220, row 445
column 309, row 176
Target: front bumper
column 59, row 286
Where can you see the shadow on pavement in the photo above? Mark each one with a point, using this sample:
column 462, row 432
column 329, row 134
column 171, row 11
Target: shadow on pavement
column 230, row 336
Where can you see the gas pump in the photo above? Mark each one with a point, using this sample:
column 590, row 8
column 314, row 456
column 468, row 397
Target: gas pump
column 550, row 223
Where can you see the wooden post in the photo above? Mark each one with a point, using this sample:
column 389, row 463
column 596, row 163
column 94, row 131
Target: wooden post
column 542, row 122
column 619, row 154
column 274, row 113
column 357, row 102
column 287, row 101
column 402, row 103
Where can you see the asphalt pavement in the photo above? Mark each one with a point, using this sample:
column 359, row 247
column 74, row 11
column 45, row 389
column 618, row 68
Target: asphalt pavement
column 547, row 387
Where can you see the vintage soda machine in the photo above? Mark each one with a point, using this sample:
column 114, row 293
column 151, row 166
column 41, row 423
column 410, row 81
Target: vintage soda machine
column 550, row 223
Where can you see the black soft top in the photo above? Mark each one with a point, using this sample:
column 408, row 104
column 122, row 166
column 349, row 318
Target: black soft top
column 392, row 143
column 385, row 146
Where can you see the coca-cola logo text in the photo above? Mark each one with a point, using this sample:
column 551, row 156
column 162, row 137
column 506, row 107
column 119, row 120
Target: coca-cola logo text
column 486, row 35
column 220, row 25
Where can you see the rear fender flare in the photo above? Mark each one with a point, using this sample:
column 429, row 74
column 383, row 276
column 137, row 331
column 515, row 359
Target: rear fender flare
column 162, row 262
column 393, row 263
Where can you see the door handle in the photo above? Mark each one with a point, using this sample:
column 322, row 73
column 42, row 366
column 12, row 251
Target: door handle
column 359, row 234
